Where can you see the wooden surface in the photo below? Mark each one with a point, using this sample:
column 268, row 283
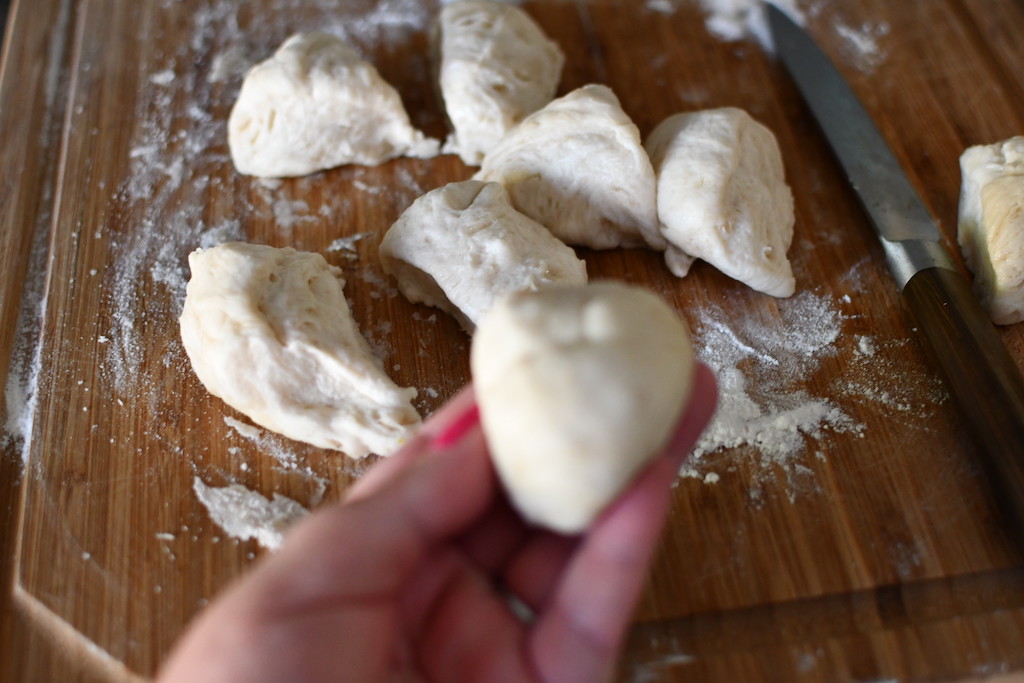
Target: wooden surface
column 871, row 551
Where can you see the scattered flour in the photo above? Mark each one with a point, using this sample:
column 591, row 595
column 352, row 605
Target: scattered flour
column 767, row 411
column 275, row 446
column 244, row 514
column 230, row 63
column 862, row 44
column 165, row 77
column 761, row 371
column 663, row 6
column 347, row 244
column 246, row 430
column 656, row 670
column 25, row 365
column 732, row 20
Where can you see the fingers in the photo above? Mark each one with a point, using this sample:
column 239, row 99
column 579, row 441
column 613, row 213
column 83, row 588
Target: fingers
column 699, row 410
column 457, row 416
column 376, row 538
column 462, row 628
column 528, row 560
column 578, row 634
column 342, row 571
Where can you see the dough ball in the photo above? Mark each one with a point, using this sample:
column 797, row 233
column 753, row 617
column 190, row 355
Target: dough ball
column 315, row 105
column 723, row 198
column 462, row 246
column 578, row 388
column 991, row 225
column 497, row 66
column 270, row 333
column 578, row 168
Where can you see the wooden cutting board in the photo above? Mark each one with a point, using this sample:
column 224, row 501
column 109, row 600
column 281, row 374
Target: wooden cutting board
column 864, row 547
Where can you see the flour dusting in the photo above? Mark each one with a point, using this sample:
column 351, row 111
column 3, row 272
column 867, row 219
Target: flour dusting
column 243, row 513
column 761, row 370
column 25, row 365
column 347, row 244
column 230, row 63
column 862, row 45
column 732, row 20
column 662, row 6
column 770, row 415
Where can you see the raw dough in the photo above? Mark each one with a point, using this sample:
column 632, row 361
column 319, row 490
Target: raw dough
column 577, row 167
column 463, row 245
column 243, row 513
column 315, row 105
column 269, row 331
column 578, row 388
column 497, row 66
column 991, row 225
column 723, row 198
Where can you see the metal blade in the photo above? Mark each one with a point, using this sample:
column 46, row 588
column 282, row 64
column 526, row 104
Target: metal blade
column 909, row 234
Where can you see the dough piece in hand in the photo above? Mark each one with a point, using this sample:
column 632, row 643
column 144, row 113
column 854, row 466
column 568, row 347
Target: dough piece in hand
column 497, row 66
column 315, row 105
column 578, row 388
column 723, row 197
column 269, row 331
column 577, row 167
column 462, row 246
column 991, row 226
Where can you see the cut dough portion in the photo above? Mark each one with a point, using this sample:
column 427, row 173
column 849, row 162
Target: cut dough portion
column 723, row 198
column 269, row 331
column 315, row 105
column 991, row 225
column 243, row 513
column 497, row 66
column 578, row 168
column 462, row 246
column 578, row 388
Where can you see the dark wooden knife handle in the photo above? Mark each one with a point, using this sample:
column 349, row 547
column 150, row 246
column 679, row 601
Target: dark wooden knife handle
column 981, row 375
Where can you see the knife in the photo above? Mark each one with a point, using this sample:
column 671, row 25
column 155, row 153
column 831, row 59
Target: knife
column 979, row 371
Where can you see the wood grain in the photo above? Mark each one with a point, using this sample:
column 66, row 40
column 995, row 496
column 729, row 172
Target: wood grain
column 870, row 553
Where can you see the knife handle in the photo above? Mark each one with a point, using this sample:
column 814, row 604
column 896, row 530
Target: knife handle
column 980, row 372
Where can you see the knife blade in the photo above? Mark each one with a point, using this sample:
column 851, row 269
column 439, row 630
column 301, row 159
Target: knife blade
column 979, row 371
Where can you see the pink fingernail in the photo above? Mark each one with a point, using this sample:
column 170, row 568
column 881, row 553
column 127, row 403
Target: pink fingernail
column 458, row 428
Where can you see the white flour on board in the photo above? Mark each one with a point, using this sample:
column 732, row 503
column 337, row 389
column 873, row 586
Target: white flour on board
column 276, row 447
column 25, row 367
column 768, row 416
column 738, row 19
column 762, row 369
column 243, row 513
column 733, row 20
column 347, row 243
column 862, row 45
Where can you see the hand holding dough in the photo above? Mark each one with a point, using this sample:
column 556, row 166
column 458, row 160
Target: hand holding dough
column 578, row 168
column 723, row 198
column 462, row 246
column 991, row 226
column 269, row 331
column 578, row 388
column 315, row 105
column 497, row 66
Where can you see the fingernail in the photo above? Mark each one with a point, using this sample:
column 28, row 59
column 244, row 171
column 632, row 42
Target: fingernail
column 457, row 428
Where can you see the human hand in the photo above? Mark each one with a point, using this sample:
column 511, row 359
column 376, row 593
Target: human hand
column 410, row 577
